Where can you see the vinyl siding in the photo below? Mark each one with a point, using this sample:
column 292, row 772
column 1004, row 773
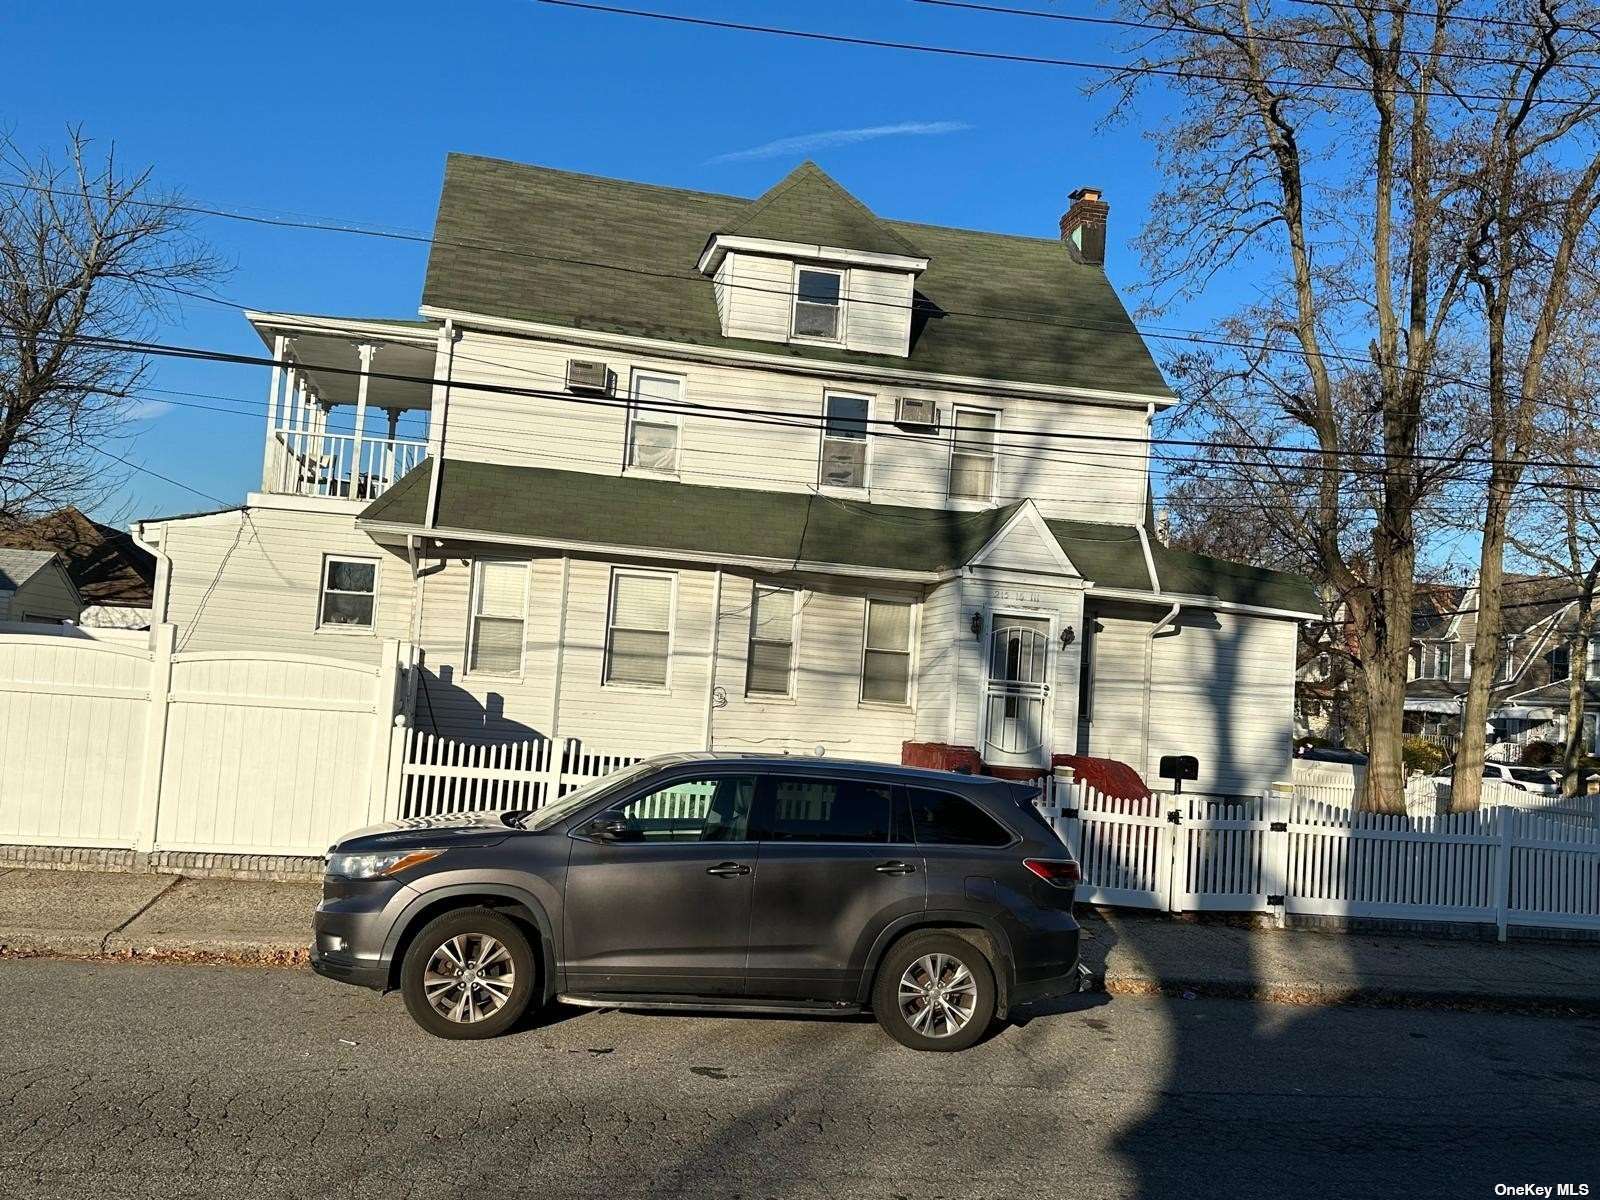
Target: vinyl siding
column 878, row 311
column 944, row 630
column 1087, row 480
column 758, row 300
column 1222, row 690
column 251, row 580
column 48, row 596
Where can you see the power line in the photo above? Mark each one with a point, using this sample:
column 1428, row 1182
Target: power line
column 1032, row 59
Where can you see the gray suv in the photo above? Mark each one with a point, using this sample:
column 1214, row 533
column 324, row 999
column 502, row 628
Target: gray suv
column 737, row 882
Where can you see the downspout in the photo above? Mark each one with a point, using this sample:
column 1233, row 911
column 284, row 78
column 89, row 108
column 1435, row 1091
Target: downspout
column 711, row 655
column 443, row 407
column 1150, row 648
column 163, row 585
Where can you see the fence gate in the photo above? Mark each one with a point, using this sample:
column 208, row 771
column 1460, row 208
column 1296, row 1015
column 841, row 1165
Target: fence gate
column 1223, row 861
column 1124, row 846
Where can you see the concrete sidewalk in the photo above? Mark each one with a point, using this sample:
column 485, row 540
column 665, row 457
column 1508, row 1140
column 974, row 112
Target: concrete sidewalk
column 82, row 914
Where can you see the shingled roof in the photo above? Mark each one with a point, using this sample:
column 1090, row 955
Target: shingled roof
column 541, row 504
column 535, row 244
column 105, row 564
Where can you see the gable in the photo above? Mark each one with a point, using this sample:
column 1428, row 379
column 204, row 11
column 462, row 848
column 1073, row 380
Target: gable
column 1025, row 543
column 807, row 206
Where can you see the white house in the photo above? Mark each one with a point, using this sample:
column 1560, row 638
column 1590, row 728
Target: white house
column 35, row 587
column 663, row 469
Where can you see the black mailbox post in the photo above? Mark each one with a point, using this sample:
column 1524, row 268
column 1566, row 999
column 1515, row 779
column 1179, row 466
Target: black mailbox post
column 1180, row 767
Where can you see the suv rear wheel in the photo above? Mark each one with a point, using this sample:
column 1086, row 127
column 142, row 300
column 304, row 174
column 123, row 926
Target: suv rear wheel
column 934, row 991
column 468, row 974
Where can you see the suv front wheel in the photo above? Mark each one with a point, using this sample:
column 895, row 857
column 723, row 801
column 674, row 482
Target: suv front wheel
column 468, row 974
column 934, row 991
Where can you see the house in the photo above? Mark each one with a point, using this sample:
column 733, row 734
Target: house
column 664, row 469
column 1528, row 700
column 35, row 586
column 112, row 574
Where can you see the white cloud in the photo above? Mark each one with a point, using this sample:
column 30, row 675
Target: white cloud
column 146, row 410
column 807, row 142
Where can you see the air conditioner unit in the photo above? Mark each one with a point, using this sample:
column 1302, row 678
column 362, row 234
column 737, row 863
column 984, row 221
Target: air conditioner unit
column 913, row 412
column 586, row 376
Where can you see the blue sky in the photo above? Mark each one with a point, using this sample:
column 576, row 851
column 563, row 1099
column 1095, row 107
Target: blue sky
column 347, row 111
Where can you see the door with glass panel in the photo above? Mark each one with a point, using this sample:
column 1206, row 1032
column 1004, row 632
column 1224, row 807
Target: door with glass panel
column 1017, row 693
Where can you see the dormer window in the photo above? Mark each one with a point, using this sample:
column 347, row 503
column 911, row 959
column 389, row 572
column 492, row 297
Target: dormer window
column 818, row 304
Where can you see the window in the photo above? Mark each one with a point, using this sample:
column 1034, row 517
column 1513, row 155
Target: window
column 715, row 809
column 639, row 633
column 349, row 593
column 499, row 610
column 1433, row 660
column 653, row 432
column 941, row 819
column 770, row 666
column 817, row 303
column 1560, row 663
column 973, row 441
column 798, row 808
column 886, row 654
column 844, row 440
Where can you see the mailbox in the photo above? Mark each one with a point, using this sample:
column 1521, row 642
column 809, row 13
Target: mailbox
column 1180, row 767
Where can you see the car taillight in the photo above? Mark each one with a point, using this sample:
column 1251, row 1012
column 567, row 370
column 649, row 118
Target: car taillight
column 1058, row 871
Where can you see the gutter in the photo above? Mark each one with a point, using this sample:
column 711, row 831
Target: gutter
column 1149, row 560
column 442, row 406
column 1149, row 677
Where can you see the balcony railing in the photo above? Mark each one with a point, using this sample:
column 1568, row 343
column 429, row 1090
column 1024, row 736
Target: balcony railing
column 339, row 465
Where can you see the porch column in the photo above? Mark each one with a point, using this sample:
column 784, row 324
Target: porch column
column 279, row 346
column 367, row 349
column 389, row 450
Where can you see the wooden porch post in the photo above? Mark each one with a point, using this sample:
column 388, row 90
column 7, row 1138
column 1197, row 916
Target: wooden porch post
column 366, row 350
column 280, row 346
column 389, row 450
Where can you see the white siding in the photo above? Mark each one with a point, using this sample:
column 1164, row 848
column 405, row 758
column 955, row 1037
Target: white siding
column 48, row 596
column 251, row 580
column 1222, row 690
column 878, row 311
column 944, row 631
column 758, row 297
column 1086, row 480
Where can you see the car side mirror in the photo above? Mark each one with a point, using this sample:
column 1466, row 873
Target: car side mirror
column 604, row 829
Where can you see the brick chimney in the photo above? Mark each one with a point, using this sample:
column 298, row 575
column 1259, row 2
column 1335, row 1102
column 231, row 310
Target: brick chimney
column 1083, row 226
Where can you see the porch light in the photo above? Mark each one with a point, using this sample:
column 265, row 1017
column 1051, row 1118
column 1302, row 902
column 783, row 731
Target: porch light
column 976, row 624
column 1068, row 636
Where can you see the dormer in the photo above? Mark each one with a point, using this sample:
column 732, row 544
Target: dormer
column 809, row 264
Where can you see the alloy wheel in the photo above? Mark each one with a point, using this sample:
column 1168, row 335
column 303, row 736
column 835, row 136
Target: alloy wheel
column 938, row 995
column 469, row 978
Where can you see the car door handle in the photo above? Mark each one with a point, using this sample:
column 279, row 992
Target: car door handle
column 728, row 868
column 895, row 867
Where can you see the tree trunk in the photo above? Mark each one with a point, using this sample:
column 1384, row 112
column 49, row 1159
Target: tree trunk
column 1466, row 785
column 1577, row 682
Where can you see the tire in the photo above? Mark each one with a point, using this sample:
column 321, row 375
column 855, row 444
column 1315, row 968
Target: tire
column 465, row 937
column 963, row 971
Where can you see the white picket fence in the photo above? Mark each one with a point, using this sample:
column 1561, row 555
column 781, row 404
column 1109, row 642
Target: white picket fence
column 435, row 775
column 1290, row 851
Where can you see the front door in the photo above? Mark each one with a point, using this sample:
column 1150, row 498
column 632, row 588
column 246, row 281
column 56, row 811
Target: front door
column 658, row 891
column 1017, row 693
column 838, row 864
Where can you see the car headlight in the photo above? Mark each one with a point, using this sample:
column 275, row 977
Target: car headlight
column 373, row 866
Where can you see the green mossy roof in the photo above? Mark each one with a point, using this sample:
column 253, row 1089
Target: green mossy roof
column 575, row 506
column 534, row 244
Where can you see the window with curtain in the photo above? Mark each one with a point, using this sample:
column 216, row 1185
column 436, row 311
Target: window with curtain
column 653, row 432
column 844, row 440
column 639, row 631
column 886, row 654
column 770, row 665
column 973, row 453
column 499, row 614
column 349, row 593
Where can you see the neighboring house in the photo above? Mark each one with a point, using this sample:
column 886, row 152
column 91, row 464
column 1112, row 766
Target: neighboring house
column 662, row 469
column 113, row 574
column 1528, row 700
column 35, row 586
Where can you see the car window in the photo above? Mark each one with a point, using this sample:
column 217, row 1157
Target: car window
column 801, row 808
column 1530, row 775
column 941, row 819
column 558, row 810
column 713, row 809
column 1490, row 771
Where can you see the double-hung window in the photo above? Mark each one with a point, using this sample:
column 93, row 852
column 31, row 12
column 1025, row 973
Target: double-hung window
column 499, row 614
column 770, row 666
column 844, row 439
column 818, row 304
column 639, row 628
column 973, row 445
column 886, row 653
column 349, row 593
column 654, row 422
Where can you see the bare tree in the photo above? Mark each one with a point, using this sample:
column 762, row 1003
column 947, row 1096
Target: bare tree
column 90, row 256
column 1339, row 157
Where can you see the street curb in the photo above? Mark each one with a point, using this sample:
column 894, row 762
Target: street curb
column 109, row 948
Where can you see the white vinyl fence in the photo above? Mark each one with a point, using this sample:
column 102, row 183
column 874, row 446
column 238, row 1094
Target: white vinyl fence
column 1295, row 851
column 114, row 739
column 443, row 775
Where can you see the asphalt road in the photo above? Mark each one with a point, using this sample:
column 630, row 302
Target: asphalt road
column 125, row 1080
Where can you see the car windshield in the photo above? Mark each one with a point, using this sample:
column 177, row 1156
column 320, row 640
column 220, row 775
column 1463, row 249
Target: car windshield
column 1530, row 775
column 554, row 813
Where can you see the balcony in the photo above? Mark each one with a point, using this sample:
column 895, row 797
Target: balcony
column 330, row 380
